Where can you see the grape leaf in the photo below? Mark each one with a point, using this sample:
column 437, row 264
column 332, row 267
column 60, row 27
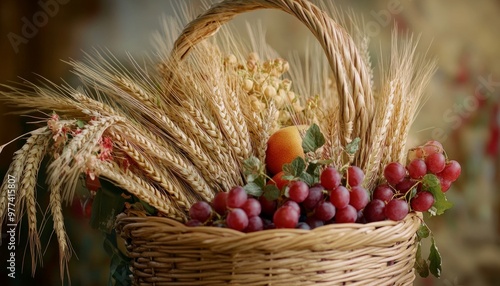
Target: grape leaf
column 313, row 139
column 308, row 179
column 294, row 169
column 119, row 270
column 353, row 146
column 420, row 263
column 441, row 204
column 423, row 231
column 252, row 166
column 434, row 260
column 253, row 189
column 271, row 192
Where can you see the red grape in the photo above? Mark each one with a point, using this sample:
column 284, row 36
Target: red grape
column 255, row 223
column 286, row 217
column 432, row 147
column 200, row 211
column 396, row 209
column 340, row 197
column 422, row 201
column 405, row 185
column 268, row 207
column 293, row 205
column 346, row 215
column 303, row 225
column 394, row 173
column 330, row 178
column 219, row 203
column 383, row 192
column 355, row 176
column 417, row 168
column 451, row 171
column 313, row 222
column 252, row 207
column 324, row 211
column 315, row 195
column 374, row 211
column 435, row 163
column 359, row 198
column 445, row 184
column 237, row 219
column 236, row 197
column 298, row 191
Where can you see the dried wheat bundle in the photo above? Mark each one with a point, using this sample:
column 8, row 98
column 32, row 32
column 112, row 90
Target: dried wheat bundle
column 177, row 130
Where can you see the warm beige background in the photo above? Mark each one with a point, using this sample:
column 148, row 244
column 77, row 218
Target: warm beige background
column 464, row 36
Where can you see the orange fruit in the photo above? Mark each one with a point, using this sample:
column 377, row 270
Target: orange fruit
column 282, row 147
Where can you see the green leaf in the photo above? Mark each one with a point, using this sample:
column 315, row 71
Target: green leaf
column 119, row 264
column 434, row 260
column 271, row 192
column 253, row 189
column 295, row 168
column 148, row 208
column 313, row 139
column 423, row 231
column 252, row 166
column 441, row 204
column 80, row 123
column 353, row 147
column 420, row 263
column 108, row 203
column 308, row 179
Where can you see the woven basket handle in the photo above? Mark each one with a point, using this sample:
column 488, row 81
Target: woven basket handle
column 353, row 81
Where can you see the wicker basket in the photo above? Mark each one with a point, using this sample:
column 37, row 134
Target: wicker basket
column 166, row 252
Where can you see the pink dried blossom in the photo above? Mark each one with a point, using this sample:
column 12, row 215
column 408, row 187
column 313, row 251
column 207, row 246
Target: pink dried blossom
column 106, row 146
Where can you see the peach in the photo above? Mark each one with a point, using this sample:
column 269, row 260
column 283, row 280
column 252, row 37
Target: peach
column 283, row 147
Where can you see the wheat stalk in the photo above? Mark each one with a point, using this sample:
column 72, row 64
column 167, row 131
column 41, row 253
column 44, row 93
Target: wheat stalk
column 384, row 113
column 172, row 159
column 140, row 188
column 55, row 206
column 153, row 171
column 68, row 166
column 28, row 189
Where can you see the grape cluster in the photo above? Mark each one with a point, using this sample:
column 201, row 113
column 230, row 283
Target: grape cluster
column 337, row 197
column 404, row 190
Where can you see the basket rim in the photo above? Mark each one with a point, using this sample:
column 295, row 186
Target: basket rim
column 138, row 217
column 138, row 228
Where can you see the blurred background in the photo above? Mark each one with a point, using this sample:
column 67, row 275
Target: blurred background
column 463, row 111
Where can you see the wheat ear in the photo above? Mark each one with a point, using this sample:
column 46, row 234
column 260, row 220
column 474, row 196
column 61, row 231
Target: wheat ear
column 172, row 159
column 381, row 124
column 68, row 166
column 55, row 206
column 140, row 188
column 152, row 171
column 28, row 185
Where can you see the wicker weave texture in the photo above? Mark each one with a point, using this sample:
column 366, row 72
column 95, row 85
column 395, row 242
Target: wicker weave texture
column 166, row 252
